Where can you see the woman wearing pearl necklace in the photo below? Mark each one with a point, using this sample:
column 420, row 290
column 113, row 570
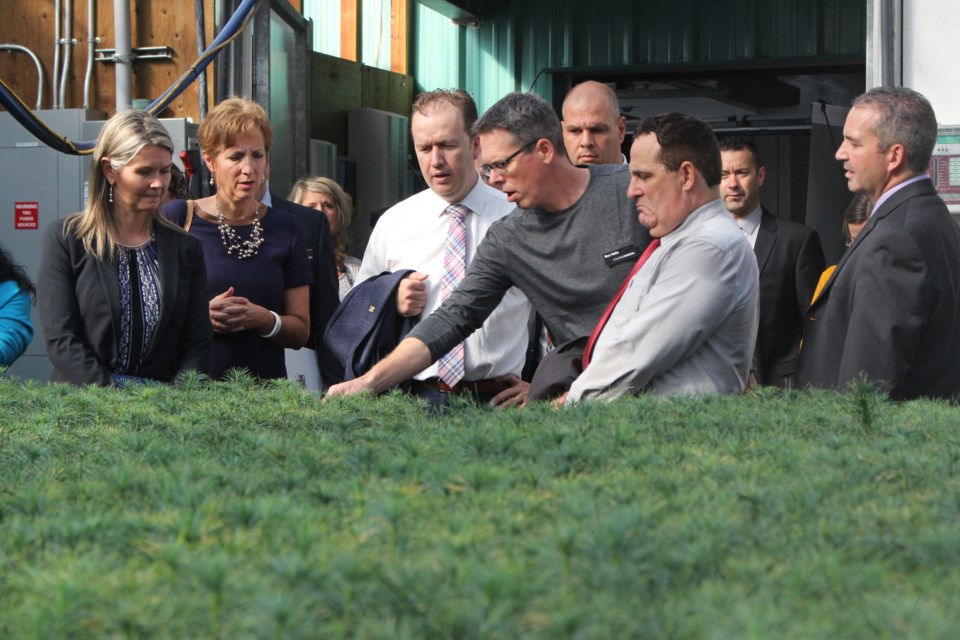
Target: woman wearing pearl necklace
column 257, row 265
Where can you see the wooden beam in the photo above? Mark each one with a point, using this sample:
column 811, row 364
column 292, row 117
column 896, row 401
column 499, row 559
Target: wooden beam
column 350, row 30
column 399, row 23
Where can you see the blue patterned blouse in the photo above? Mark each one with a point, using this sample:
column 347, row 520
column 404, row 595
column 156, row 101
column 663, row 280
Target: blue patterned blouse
column 138, row 270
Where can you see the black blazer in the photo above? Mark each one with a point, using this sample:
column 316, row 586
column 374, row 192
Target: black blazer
column 78, row 298
column 325, row 291
column 791, row 260
column 891, row 309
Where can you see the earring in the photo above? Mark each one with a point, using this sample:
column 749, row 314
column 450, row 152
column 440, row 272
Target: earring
column 110, row 195
column 212, row 182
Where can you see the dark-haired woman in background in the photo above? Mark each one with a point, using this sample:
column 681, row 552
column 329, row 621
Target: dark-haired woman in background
column 122, row 293
column 15, row 328
column 854, row 219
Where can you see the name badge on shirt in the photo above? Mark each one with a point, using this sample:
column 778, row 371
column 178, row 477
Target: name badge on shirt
column 629, row 253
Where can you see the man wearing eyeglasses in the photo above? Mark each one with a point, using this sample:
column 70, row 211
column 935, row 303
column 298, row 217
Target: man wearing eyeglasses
column 568, row 248
column 437, row 232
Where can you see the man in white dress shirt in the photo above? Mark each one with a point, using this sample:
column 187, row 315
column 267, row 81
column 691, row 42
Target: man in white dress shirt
column 414, row 234
column 687, row 319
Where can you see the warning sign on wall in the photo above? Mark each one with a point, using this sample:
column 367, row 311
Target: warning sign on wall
column 26, row 215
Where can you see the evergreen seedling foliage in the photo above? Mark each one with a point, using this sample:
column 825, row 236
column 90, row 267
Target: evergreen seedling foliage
column 243, row 510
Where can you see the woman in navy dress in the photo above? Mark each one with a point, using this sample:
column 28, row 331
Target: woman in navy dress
column 257, row 265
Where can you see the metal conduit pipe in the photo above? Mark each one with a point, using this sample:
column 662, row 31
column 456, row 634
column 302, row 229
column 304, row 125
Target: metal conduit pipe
column 54, row 73
column 124, row 63
column 22, row 114
column 68, row 42
column 36, row 61
column 91, row 50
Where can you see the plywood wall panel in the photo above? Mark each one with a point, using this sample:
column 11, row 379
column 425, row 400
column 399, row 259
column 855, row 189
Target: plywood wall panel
column 30, row 23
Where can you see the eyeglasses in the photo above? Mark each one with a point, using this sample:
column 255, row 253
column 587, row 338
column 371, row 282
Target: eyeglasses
column 501, row 166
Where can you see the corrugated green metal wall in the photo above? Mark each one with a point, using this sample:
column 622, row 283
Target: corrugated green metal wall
column 517, row 40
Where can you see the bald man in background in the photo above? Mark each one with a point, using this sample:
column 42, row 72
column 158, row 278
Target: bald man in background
column 593, row 128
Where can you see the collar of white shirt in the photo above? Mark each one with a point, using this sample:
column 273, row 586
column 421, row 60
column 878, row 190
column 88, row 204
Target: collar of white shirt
column 473, row 200
column 750, row 223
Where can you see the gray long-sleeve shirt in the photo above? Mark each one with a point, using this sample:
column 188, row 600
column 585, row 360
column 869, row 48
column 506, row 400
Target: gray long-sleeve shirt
column 568, row 263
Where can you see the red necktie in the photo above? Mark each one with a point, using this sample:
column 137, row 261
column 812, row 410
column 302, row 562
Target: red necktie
column 597, row 330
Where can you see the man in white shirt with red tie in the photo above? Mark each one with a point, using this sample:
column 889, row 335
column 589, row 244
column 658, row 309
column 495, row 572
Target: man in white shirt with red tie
column 685, row 320
column 437, row 232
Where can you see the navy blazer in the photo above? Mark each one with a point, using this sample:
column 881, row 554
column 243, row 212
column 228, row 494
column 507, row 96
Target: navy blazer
column 325, row 290
column 892, row 306
column 78, row 297
column 366, row 326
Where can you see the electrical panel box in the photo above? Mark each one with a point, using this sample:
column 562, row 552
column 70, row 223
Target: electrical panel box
column 39, row 185
column 377, row 142
column 183, row 133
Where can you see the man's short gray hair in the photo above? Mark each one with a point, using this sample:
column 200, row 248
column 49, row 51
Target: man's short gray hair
column 525, row 116
column 905, row 117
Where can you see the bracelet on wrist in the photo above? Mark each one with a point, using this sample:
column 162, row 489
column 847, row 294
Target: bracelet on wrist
column 277, row 323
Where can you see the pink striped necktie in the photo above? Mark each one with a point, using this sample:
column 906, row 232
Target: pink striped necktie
column 450, row 367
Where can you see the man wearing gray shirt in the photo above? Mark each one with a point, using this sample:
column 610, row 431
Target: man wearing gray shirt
column 568, row 247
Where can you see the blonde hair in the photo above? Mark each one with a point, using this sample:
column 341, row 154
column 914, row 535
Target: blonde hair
column 232, row 118
column 341, row 201
column 120, row 140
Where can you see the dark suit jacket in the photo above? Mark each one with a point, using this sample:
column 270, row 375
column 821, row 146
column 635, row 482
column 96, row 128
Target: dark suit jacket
column 891, row 309
column 791, row 261
column 366, row 326
column 78, row 298
column 325, row 291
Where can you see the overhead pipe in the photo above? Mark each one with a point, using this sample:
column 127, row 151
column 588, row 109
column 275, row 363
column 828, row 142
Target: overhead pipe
column 122, row 50
column 36, row 61
column 55, row 73
column 68, row 42
column 91, row 50
column 22, row 114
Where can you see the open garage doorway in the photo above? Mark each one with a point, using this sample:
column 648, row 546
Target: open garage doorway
column 790, row 110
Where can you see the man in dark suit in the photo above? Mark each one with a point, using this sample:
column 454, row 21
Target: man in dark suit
column 788, row 254
column 324, row 292
column 892, row 306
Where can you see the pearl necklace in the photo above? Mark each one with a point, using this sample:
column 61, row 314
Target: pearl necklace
column 244, row 248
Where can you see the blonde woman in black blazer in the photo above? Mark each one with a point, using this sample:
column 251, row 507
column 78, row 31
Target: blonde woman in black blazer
column 122, row 293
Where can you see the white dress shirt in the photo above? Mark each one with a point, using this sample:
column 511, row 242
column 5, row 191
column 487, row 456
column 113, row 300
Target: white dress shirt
column 411, row 235
column 750, row 224
column 687, row 322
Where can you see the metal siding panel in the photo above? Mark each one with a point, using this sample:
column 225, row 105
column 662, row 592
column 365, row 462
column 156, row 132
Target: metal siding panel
column 516, row 40
column 438, row 39
column 326, row 25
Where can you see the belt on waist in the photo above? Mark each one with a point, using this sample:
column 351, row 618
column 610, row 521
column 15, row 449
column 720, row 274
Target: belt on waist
column 464, row 386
